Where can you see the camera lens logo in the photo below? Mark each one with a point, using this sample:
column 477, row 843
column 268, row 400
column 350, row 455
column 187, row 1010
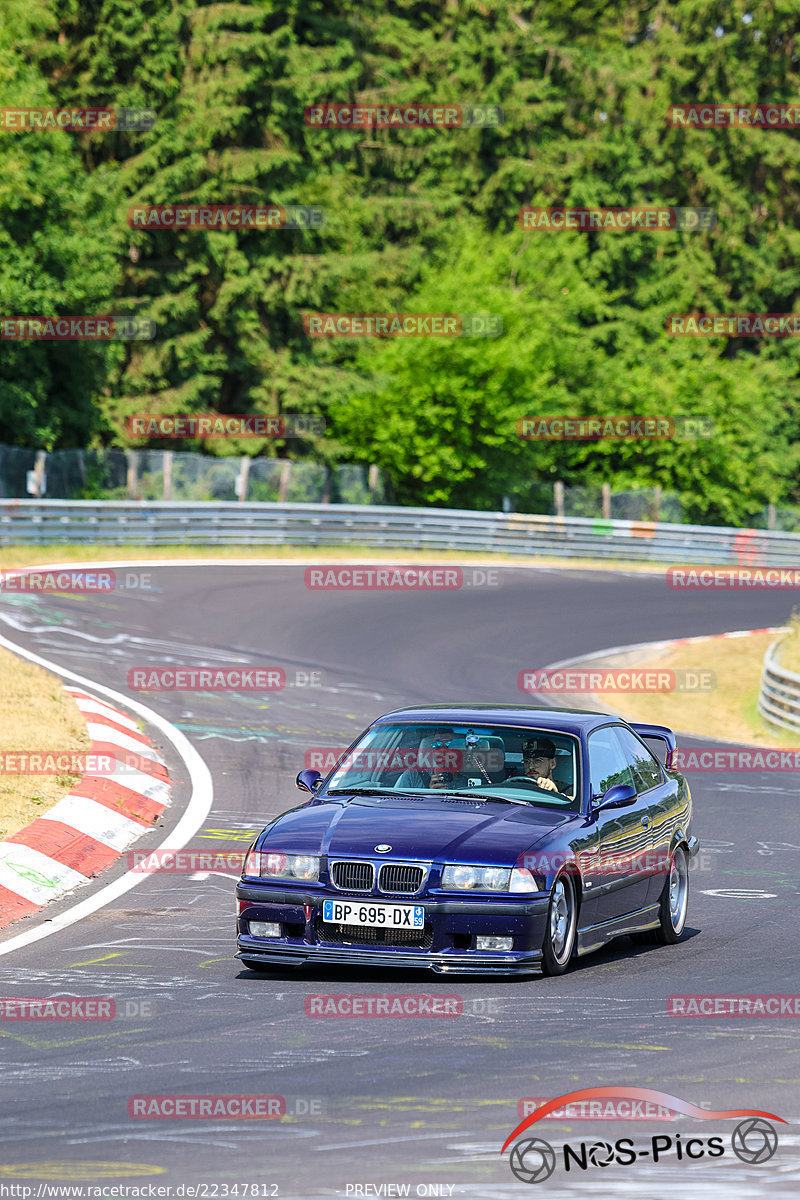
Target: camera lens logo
column 601, row 1154
column 533, row 1161
column 754, row 1140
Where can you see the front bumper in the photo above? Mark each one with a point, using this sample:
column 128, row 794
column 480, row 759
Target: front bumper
column 451, row 927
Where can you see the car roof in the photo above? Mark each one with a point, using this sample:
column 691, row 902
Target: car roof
column 572, row 720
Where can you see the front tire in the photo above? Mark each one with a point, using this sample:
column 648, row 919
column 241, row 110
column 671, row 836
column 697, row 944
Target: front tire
column 562, row 922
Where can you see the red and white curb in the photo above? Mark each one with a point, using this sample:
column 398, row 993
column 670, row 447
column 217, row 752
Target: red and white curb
column 88, row 829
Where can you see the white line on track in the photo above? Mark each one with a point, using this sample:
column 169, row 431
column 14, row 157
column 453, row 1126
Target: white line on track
column 198, row 808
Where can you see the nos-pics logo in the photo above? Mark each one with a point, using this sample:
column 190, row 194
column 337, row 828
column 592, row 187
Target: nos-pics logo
column 533, row 1160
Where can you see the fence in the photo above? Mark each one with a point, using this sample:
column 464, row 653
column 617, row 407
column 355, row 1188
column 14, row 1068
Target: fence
column 149, row 475
column 779, row 694
column 183, row 475
column 27, row 522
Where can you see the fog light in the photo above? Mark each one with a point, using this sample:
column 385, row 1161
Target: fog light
column 265, row 928
column 488, row 943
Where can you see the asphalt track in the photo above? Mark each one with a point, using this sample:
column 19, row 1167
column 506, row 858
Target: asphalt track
column 380, row 1102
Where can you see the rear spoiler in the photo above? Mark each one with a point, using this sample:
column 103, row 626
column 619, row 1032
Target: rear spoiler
column 661, row 732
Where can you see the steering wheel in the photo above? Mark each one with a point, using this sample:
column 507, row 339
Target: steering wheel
column 526, row 779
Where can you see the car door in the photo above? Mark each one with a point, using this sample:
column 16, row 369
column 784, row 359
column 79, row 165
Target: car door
column 661, row 794
column 611, row 878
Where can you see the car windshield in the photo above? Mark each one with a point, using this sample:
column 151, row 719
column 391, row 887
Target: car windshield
column 535, row 766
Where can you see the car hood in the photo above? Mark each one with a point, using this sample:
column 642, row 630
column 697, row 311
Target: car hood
column 425, row 828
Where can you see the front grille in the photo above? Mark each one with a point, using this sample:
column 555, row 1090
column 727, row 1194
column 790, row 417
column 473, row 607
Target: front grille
column 363, row 935
column 353, row 876
column 400, row 879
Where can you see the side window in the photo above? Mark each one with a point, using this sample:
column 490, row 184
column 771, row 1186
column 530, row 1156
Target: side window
column 646, row 770
column 607, row 763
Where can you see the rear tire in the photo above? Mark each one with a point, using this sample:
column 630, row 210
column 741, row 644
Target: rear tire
column 672, row 906
column 674, row 900
column 562, row 922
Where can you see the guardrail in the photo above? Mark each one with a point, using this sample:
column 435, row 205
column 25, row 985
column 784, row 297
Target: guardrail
column 168, row 523
column 779, row 694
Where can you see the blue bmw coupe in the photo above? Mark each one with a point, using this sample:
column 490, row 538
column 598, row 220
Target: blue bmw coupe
column 461, row 838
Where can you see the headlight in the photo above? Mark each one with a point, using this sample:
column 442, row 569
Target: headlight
column 274, row 864
column 522, row 880
column 483, row 879
column 305, row 866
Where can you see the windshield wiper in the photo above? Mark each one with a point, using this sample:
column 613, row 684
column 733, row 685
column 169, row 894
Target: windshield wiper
column 482, row 796
column 358, row 790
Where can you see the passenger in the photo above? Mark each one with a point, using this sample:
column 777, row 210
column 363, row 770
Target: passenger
column 415, row 778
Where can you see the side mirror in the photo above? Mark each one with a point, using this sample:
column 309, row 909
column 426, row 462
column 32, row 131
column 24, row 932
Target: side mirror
column 621, row 795
column 308, row 780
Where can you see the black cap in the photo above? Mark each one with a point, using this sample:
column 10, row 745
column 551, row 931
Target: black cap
column 538, row 748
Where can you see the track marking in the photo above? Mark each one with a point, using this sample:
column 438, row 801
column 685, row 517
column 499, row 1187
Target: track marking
column 197, row 810
column 739, row 893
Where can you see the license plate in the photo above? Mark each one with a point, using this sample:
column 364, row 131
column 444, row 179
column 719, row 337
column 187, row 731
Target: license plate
column 377, row 916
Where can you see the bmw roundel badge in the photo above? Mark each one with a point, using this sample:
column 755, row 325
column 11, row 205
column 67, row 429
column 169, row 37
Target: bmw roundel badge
column 382, row 848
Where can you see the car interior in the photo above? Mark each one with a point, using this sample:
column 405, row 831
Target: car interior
column 486, row 757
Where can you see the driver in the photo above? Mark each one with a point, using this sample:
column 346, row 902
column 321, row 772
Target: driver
column 538, row 763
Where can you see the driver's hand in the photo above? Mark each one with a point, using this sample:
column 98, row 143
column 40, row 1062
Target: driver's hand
column 543, row 782
column 438, row 780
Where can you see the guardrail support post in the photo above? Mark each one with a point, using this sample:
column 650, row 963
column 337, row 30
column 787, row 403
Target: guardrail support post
column 242, row 478
column 607, row 501
column 283, row 486
column 167, row 474
column 372, row 482
column 558, row 498
column 36, row 481
column 132, row 479
column 772, row 516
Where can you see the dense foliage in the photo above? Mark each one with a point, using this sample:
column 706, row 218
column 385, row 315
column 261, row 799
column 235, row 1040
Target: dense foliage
column 416, row 221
